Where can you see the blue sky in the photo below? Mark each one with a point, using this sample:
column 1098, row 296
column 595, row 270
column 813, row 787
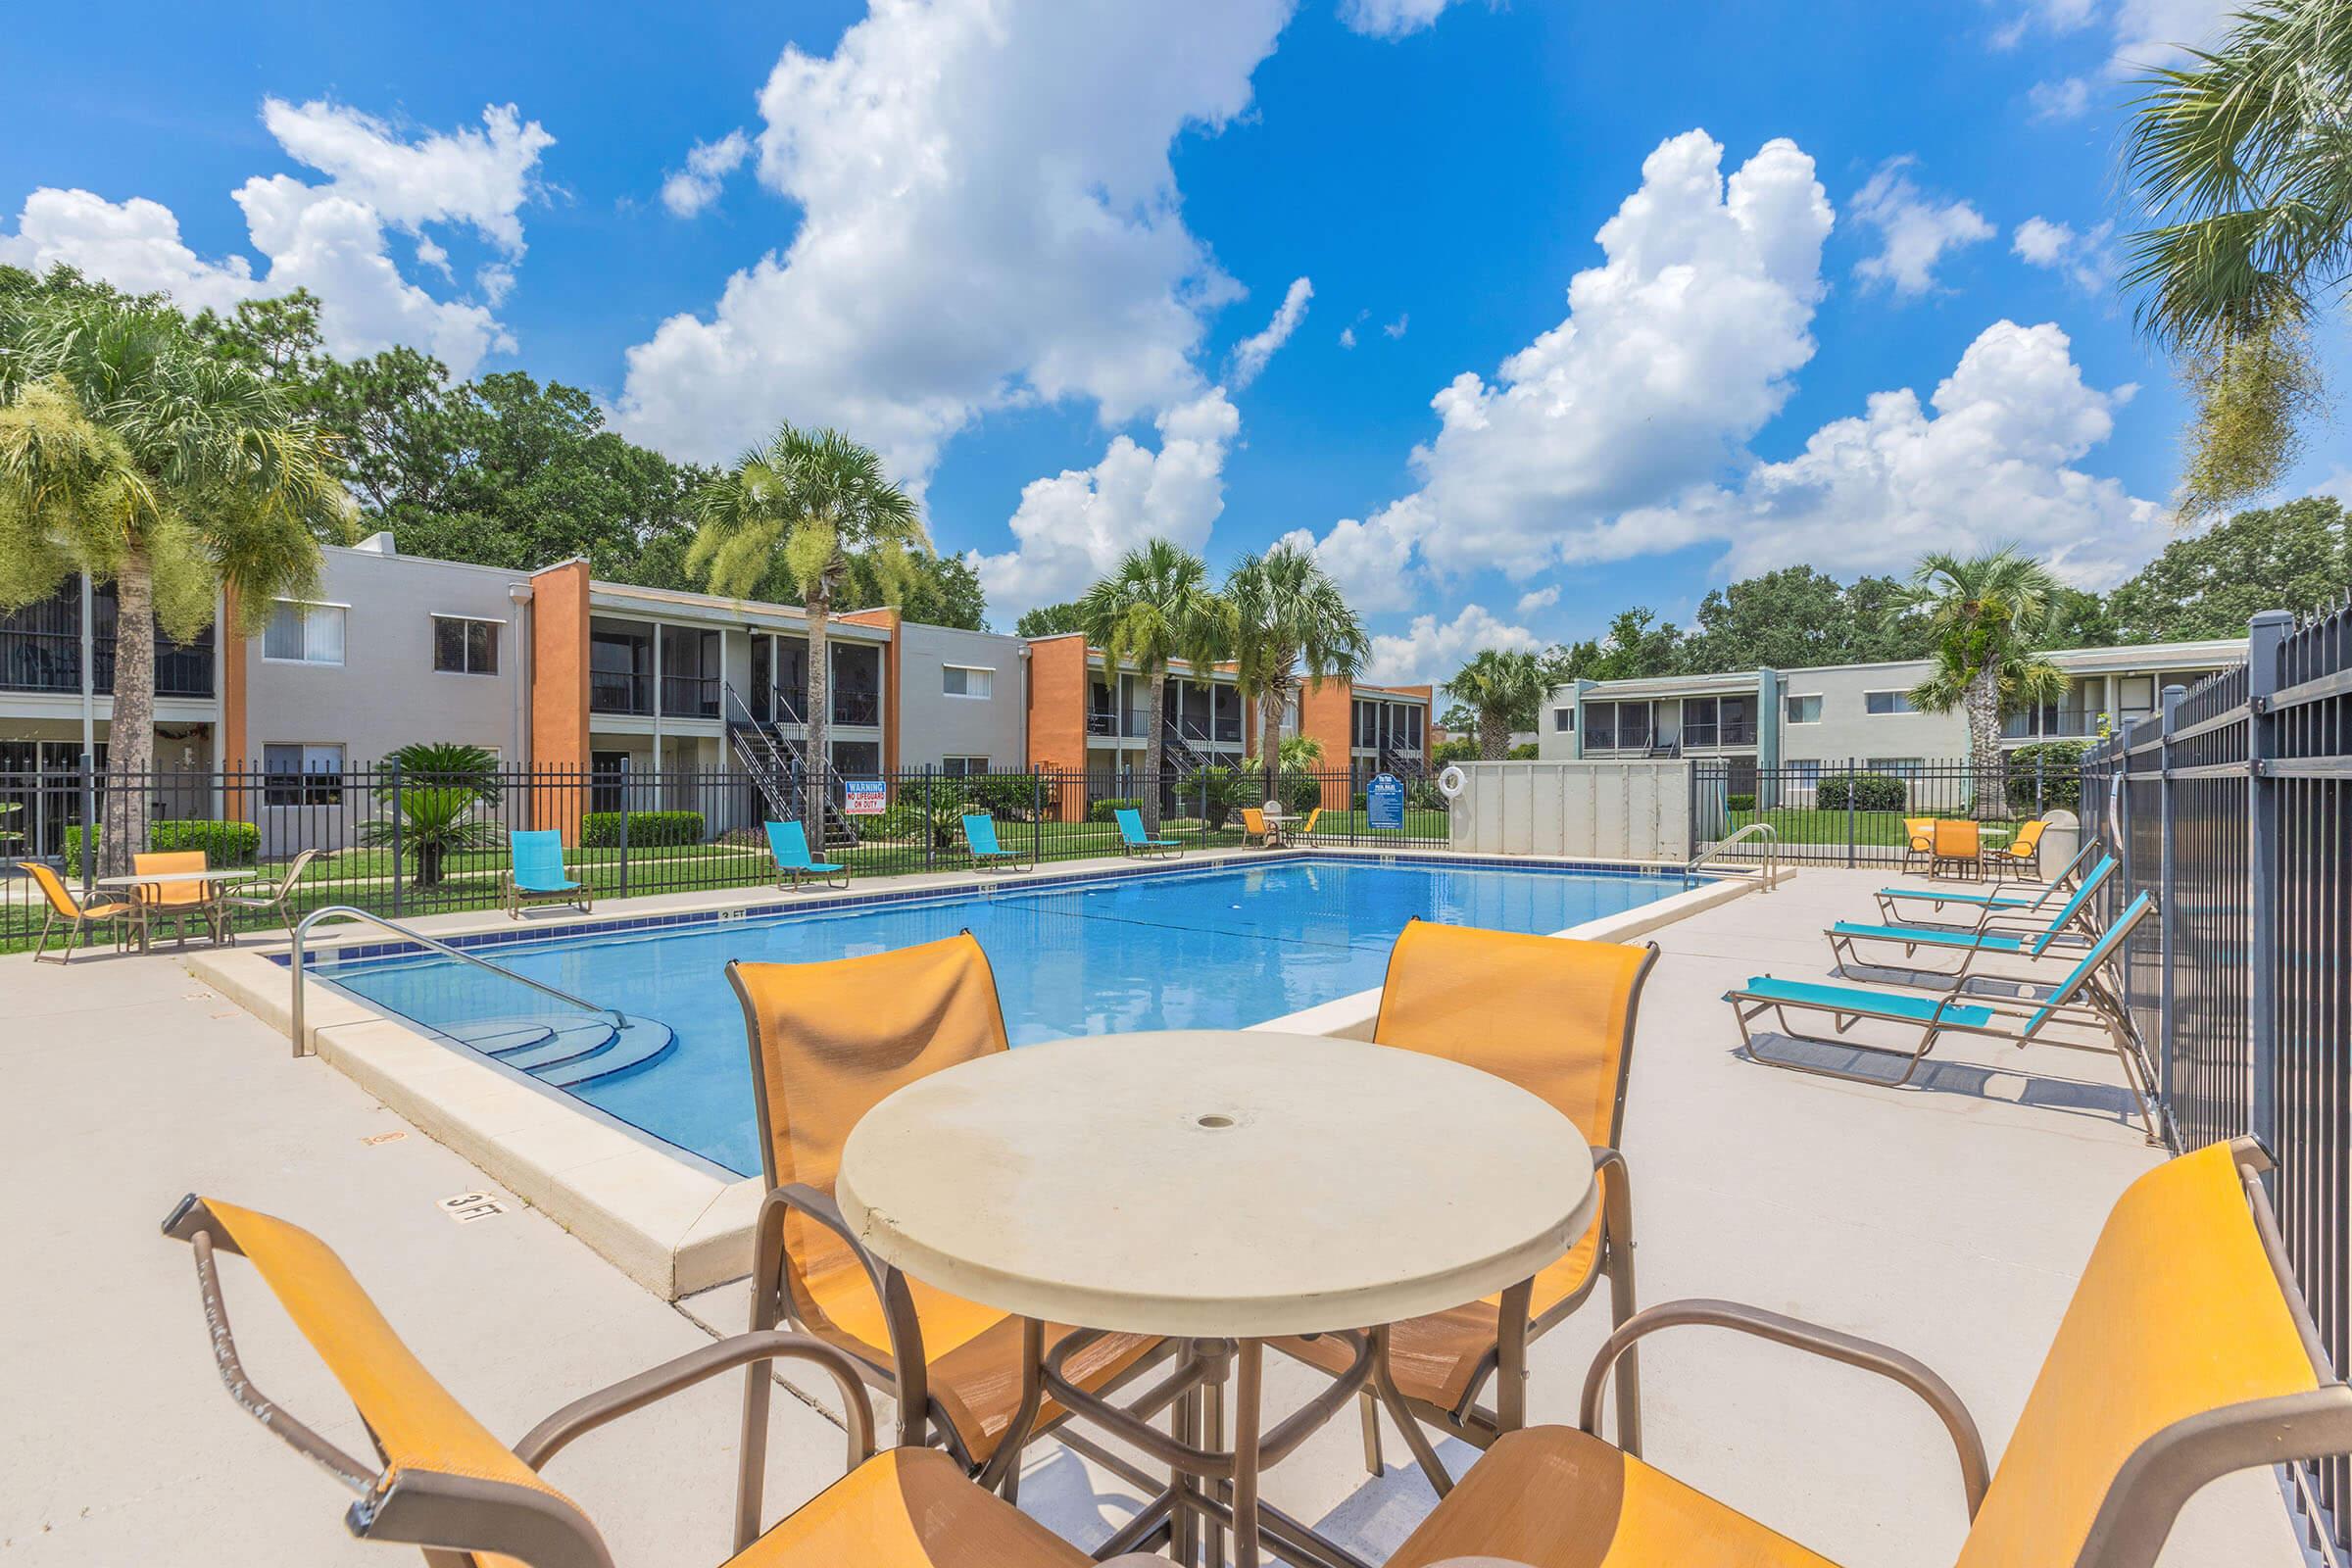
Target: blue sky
column 1022, row 246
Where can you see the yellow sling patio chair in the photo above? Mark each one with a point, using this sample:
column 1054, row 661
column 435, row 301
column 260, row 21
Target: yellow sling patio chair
column 1919, row 843
column 2185, row 1355
column 2021, row 857
column 829, row 1041
column 176, row 901
column 1556, row 1017
column 59, row 907
column 1255, row 828
column 1956, row 848
column 439, row 1481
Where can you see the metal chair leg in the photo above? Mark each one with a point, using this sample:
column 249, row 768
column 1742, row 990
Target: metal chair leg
column 1374, row 1465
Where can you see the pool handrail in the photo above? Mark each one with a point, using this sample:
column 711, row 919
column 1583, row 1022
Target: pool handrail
column 1772, row 854
column 410, row 934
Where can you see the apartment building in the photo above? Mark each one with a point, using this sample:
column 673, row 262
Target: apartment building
column 1799, row 722
column 639, row 691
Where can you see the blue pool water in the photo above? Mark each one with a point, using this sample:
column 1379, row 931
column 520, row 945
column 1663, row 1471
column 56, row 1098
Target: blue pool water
column 1217, row 948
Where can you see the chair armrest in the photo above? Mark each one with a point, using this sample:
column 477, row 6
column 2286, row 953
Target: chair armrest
column 585, row 1414
column 889, row 1285
column 1976, row 1473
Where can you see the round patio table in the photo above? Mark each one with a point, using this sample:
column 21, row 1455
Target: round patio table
column 137, row 880
column 1225, row 1186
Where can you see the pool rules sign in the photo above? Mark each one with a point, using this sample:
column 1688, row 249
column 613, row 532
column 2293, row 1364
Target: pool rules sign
column 1383, row 803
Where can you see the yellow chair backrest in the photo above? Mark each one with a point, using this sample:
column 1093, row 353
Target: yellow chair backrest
column 1922, row 830
column 415, row 1422
column 53, row 888
column 1553, row 1015
column 1956, row 839
column 1253, row 819
column 2180, row 1312
column 1308, row 826
column 830, row 1040
column 170, row 892
column 2028, row 839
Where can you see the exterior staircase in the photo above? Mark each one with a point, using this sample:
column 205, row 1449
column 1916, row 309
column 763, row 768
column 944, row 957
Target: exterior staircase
column 778, row 766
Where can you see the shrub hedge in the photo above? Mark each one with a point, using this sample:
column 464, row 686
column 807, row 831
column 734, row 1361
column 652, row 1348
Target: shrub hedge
column 1740, row 802
column 223, row 843
column 2061, row 767
column 1873, row 792
column 601, row 830
column 1104, row 810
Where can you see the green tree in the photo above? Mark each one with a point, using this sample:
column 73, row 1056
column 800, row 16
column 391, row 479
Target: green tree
column 1987, row 615
column 1797, row 616
column 2081, row 619
column 132, row 450
column 1287, row 625
column 1048, row 621
column 1156, row 607
column 435, row 788
column 1503, row 688
column 2238, row 157
column 2295, row 557
column 811, row 503
column 1636, row 644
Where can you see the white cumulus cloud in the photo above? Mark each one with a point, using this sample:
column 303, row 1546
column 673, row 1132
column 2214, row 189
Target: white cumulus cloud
column 2068, row 98
column 1390, row 19
column 1676, row 349
column 1915, row 229
column 690, row 190
column 1251, row 354
column 2086, row 261
column 1074, row 526
column 988, row 217
column 1991, row 459
column 1539, row 599
column 330, row 238
column 1432, row 651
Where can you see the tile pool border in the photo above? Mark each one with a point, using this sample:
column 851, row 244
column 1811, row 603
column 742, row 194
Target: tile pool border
column 675, row 1226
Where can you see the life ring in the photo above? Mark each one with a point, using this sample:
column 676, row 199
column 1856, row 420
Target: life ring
column 1452, row 781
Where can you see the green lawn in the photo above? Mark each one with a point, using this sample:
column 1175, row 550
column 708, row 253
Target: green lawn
column 1815, row 825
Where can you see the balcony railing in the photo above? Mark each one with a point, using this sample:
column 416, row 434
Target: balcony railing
column 619, row 692
column 2062, row 726
column 51, row 661
column 1134, row 723
column 690, row 696
column 858, row 707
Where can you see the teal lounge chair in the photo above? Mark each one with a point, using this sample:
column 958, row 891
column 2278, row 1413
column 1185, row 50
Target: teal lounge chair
column 980, row 837
column 1131, row 834
column 537, row 874
column 2003, row 896
column 2086, row 998
column 787, row 842
column 1996, row 933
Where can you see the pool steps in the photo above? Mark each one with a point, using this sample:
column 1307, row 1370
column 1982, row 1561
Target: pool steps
column 568, row 1052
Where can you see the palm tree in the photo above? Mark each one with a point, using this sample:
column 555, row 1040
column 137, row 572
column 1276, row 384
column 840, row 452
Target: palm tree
column 1985, row 614
column 1156, row 607
column 1288, row 623
column 133, row 451
column 1504, row 687
column 804, row 503
column 2238, row 156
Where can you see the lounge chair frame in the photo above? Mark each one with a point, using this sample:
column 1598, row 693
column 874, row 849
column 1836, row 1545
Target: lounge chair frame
column 2069, row 932
column 514, row 894
column 2014, row 901
column 829, row 872
column 242, row 896
column 2146, row 1496
column 1003, row 861
column 2103, row 1010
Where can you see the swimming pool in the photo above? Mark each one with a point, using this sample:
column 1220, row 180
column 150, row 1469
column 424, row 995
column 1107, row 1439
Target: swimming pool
column 1216, row 946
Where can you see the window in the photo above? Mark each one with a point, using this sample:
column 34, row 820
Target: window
column 1633, row 726
column 962, row 766
column 1899, row 767
column 464, row 647
column 301, row 775
column 1699, row 720
column 1804, row 710
column 1601, row 727
column 1881, row 703
column 962, row 680
column 1563, row 720
column 1805, row 774
column 305, row 634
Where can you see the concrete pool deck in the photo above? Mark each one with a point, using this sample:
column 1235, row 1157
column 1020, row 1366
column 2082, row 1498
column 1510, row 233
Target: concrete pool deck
column 1949, row 1219
column 674, row 1223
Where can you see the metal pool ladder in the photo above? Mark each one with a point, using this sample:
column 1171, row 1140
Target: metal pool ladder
column 611, row 1014
column 1772, row 852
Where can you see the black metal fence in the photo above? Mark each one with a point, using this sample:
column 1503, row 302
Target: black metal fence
column 401, row 842
column 2232, row 806
column 1851, row 811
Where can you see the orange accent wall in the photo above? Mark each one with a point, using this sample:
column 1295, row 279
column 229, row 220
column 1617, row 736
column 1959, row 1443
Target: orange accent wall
column 1058, row 683
column 559, row 693
column 1326, row 711
column 230, row 745
column 892, row 657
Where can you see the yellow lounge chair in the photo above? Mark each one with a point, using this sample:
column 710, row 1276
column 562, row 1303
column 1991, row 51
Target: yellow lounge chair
column 1919, row 843
column 1556, row 1017
column 829, row 1041
column 176, row 901
column 439, row 1481
column 59, row 904
column 2185, row 1355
